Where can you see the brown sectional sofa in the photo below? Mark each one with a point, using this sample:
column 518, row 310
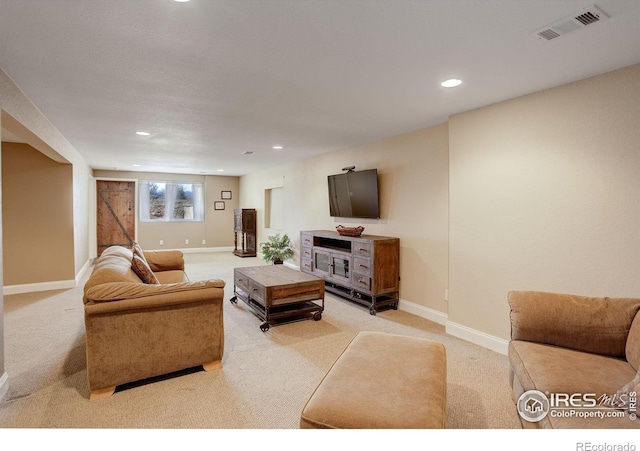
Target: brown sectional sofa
column 563, row 345
column 136, row 330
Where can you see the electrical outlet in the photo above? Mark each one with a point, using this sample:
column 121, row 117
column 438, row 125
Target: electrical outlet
column 186, row 241
column 204, row 241
column 161, row 242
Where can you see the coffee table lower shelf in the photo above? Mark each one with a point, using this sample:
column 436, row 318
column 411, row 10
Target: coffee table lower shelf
column 282, row 313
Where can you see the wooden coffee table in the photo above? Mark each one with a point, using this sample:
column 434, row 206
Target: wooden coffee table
column 277, row 293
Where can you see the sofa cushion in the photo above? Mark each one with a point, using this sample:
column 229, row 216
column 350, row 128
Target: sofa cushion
column 596, row 325
column 113, row 265
column 633, row 344
column 118, row 251
column 169, row 260
column 552, row 369
column 141, row 268
column 561, row 370
column 174, row 276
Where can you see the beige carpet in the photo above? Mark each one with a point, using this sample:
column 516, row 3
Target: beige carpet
column 265, row 380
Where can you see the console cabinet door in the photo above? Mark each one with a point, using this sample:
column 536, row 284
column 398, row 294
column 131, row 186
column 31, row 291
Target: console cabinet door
column 322, row 262
column 332, row 265
column 341, row 268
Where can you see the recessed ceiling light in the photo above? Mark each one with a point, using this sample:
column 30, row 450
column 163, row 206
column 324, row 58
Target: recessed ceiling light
column 277, row 147
column 143, row 133
column 136, row 165
column 181, row 1
column 451, row 83
column 220, row 170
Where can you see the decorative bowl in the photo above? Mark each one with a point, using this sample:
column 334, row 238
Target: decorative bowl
column 349, row 231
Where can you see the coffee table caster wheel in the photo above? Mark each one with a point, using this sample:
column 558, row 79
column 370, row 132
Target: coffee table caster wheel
column 317, row 316
column 234, row 300
column 264, row 327
column 372, row 311
column 395, row 306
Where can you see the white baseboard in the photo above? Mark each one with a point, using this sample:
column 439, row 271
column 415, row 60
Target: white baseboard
column 195, row 250
column 456, row 330
column 41, row 286
column 46, row 286
column 423, row 312
column 82, row 271
column 476, row 337
column 4, row 385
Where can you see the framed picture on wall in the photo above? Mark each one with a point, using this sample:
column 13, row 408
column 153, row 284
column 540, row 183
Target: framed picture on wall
column 225, row 195
column 218, row 205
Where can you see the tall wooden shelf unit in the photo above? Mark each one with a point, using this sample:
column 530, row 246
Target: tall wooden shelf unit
column 245, row 229
column 364, row 269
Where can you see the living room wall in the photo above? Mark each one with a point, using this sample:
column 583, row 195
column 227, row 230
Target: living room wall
column 4, row 377
column 545, row 195
column 413, row 185
column 37, row 213
column 18, row 112
column 217, row 228
column 535, row 193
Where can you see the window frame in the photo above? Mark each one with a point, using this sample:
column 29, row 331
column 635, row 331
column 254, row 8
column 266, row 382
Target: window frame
column 171, row 190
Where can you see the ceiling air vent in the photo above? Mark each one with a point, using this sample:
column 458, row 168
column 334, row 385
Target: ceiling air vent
column 571, row 23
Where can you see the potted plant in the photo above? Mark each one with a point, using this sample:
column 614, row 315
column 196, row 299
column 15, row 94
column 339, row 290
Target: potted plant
column 277, row 249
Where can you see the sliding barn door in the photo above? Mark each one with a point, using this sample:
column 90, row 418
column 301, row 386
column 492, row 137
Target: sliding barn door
column 116, row 214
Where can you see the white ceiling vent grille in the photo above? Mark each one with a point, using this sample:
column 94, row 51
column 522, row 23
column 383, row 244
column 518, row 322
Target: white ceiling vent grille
column 574, row 22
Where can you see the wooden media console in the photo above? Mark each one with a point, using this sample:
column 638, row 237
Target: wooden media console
column 364, row 269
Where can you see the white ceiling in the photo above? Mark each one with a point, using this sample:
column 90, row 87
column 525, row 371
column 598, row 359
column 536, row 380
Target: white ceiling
column 211, row 79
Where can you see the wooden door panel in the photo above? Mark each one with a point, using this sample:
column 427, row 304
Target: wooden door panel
column 115, row 214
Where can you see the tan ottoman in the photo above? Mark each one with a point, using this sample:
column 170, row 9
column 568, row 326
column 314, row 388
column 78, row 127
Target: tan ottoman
column 382, row 381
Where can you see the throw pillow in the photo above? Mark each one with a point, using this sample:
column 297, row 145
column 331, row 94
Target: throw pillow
column 141, row 268
column 137, row 250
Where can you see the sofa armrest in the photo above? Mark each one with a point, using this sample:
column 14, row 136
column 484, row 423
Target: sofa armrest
column 153, row 302
column 118, row 292
column 596, row 325
column 164, row 260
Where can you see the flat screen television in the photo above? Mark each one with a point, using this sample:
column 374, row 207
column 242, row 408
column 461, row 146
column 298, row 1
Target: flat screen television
column 354, row 194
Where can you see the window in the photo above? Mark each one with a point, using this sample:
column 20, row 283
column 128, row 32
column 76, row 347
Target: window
column 171, row 201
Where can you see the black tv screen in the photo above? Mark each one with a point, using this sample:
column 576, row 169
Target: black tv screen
column 354, row 194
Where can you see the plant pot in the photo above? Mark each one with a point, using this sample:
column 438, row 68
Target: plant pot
column 278, row 262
